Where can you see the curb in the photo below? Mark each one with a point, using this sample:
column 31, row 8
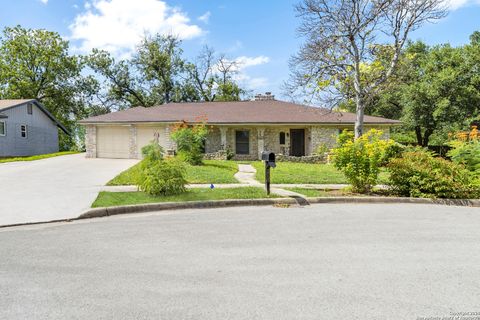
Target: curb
column 110, row 211
column 447, row 202
column 150, row 207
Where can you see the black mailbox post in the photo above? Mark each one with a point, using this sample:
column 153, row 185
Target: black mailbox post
column 269, row 159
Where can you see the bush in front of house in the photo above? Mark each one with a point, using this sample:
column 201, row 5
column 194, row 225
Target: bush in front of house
column 158, row 176
column 418, row 173
column 466, row 150
column 360, row 159
column 190, row 140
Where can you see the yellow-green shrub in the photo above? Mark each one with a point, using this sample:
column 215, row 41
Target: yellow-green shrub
column 360, row 159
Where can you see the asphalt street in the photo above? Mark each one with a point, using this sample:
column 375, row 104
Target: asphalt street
column 328, row 261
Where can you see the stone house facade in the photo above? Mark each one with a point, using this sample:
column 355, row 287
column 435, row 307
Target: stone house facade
column 243, row 128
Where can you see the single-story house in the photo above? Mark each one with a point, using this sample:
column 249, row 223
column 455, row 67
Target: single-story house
column 27, row 128
column 245, row 127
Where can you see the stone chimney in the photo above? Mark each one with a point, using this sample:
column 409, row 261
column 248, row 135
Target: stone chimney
column 264, row 97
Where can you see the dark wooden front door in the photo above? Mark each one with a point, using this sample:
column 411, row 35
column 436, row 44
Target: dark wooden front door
column 297, row 142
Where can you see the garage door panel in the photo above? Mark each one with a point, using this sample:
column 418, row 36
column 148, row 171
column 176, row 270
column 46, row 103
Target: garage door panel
column 113, row 142
column 145, row 135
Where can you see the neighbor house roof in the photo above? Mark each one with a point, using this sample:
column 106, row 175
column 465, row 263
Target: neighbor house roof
column 12, row 103
column 239, row 112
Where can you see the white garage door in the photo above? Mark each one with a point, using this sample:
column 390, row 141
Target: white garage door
column 113, row 142
column 146, row 134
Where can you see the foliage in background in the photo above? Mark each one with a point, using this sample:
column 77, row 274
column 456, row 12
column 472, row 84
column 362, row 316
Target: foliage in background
column 466, row 150
column 435, row 91
column 419, row 173
column 360, row 160
column 190, row 140
column 36, row 64
column 158, row 176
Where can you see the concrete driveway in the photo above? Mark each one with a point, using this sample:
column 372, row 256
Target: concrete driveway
column 331, row 261
column 54, row 188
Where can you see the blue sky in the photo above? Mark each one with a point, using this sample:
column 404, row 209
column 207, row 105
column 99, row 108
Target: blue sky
column 260, row 33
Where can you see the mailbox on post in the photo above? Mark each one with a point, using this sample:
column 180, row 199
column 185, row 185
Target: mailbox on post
column 269, row 159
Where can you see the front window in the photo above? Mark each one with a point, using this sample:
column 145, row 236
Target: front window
column 3, row 128
column 30, row 108
column 282, row 138
column 242, row 142
column 23, row 131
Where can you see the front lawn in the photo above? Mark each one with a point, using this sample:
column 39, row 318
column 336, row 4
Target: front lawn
column 213, row 171
column 305, row 173
column 109, row 199
column 37, row 157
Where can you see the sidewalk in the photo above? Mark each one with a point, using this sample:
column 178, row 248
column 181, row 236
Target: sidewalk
column 246, row 177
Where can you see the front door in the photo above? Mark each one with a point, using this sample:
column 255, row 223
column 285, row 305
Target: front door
column 297, row 142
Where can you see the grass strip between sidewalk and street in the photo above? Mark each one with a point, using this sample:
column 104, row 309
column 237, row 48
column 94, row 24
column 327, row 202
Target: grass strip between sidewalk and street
column 212, row 171
column 37, row 157
column 109, row 199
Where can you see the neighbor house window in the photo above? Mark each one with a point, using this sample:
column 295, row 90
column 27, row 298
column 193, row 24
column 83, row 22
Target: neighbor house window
column 242, row 142
column 23, row 131
column 3, row 128
column 282, row 137
column 29, row 108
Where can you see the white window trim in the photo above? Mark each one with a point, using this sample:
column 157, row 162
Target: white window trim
column 4, row 128
column 26, row 131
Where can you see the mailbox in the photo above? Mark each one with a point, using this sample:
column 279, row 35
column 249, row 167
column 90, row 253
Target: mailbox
column 269, row 158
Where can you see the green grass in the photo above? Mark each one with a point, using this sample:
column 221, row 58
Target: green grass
column 307, row 173
column 37, row 157
column 109, row 199
column 310, row 192
column 213, row 171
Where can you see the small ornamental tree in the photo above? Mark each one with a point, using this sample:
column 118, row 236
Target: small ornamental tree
column 190, row 140
column 360, row 160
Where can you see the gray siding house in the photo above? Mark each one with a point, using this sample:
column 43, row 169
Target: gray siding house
column 27, row 128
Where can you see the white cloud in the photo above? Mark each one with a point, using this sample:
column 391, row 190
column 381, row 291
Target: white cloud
column 118, row 25
column 44, row 1
column 245, row 62
column 205, row 17
column 456, row 4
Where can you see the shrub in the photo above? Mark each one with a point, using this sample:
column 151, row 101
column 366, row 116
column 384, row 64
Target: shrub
column 158, row 176
column 360, row 160
column 466, row 150
column 419, row 173
column 190, row 141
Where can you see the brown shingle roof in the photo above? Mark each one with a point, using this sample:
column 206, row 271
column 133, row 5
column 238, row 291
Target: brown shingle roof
column 252, row 112
column 7, row 103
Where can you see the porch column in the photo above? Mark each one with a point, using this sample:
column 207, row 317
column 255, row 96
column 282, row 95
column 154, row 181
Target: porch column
column 133, row 149
column 261, row 141
column 223, row 137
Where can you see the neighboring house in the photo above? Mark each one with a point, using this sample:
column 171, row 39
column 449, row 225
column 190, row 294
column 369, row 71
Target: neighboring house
column 246, row 128
column 27, row 128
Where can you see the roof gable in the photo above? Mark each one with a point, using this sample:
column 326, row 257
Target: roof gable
column 13, row 103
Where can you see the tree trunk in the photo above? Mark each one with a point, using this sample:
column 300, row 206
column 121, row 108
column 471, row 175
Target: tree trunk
column 426, row 137
column 360, row 112
column 418, row 132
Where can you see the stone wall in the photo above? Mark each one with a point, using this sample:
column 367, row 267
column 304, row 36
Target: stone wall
column 91, row 141
column 132, row 146
column 213, row 142
column 304, row 159
column 323, row 136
